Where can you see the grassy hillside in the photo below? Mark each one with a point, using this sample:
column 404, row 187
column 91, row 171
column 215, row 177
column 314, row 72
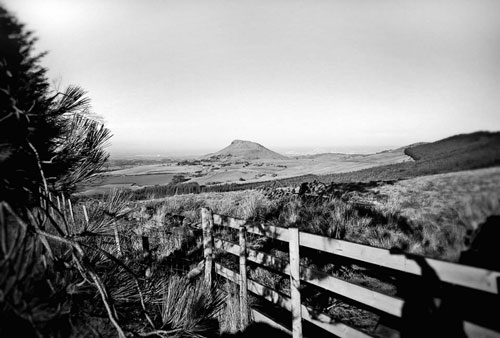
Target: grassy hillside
column 481, row 144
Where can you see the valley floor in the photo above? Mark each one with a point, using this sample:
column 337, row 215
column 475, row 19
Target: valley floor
column 210, row 171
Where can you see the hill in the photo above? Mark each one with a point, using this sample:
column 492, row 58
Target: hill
column 247, row 150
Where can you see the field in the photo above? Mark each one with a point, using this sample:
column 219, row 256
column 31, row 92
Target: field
column 214, row 171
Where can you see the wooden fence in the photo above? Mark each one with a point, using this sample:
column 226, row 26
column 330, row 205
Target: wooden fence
column 484, row 283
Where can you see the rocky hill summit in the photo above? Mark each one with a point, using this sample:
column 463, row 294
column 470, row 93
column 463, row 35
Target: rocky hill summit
column 247, row 150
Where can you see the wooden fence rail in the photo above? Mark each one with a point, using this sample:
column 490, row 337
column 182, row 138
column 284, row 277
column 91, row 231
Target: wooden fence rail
column 482, row 280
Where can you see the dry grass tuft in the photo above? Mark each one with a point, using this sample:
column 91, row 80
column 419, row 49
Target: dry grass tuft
column 229, row 318
column 190, row 309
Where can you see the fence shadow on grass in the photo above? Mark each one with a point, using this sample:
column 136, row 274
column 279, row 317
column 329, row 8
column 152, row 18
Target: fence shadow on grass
column 425, row 316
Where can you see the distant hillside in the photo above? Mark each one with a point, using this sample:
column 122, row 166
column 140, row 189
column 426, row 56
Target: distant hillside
column 456, row 153
column 247, row 150
column 479, row 144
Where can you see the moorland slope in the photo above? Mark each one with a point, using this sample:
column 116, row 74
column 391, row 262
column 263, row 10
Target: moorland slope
column 456, row 153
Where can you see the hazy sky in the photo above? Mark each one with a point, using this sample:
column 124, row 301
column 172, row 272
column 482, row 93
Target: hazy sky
column 188, row 77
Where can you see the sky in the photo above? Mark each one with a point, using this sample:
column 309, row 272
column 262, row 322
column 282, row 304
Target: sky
column 189, row 76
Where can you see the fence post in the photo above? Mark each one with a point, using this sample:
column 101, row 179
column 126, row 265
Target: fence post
column 243, row 279
column 295, row 282
column 207, row 224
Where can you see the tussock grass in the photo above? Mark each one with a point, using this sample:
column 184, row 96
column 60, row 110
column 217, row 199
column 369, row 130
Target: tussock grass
column 190, row 309
column 230, row 316
column 336, row 218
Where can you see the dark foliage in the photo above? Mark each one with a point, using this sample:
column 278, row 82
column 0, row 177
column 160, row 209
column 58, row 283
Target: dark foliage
column 48, row 141
column 46, row 137
column 24, row 110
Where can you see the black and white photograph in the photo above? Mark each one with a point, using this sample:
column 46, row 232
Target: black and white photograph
column 249, row 168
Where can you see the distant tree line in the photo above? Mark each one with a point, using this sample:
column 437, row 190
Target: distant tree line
column 159, row 191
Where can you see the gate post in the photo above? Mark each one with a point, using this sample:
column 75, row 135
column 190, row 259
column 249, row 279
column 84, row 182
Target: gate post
column 295, row 282
column 207, row 224
column 243, row 278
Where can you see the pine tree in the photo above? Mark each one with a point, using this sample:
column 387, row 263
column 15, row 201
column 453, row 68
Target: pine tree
column 49, row 141
column 47, row 138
